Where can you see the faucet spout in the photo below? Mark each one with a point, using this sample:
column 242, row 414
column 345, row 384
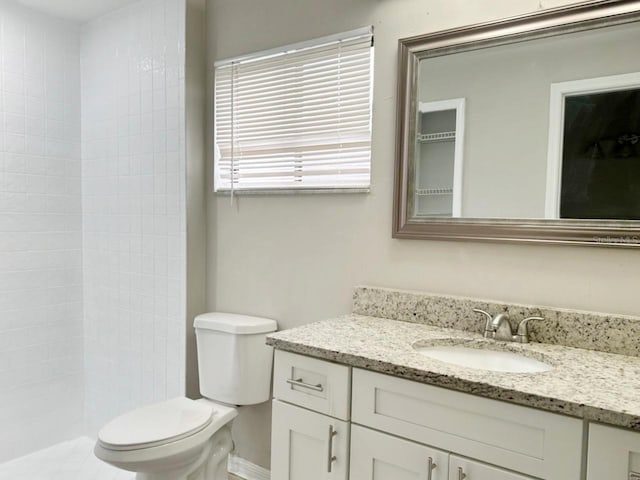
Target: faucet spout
column 502, row 328
column 499, row 327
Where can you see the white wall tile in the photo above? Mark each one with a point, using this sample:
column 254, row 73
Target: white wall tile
column 132, row 168
column 91, row 219
column 41, row 337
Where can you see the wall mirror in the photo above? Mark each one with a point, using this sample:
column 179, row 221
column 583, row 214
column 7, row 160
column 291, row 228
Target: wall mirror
column 523, row 130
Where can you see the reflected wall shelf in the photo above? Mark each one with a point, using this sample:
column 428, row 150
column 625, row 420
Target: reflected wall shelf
column 437, row 137
column 439, row 146
column 426, row 192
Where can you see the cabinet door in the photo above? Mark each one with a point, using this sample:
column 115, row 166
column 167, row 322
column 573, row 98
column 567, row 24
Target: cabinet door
column 614, row 454
column 463, row 469
column 377, row 456
column 307, row 446
column 520, row 439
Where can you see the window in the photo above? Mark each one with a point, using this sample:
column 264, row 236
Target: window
column 296, row 118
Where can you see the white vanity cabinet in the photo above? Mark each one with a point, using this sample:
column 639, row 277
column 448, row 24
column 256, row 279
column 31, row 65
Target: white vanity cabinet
column 464, row 469
column 378, row 456
column 525, row 440
column 391, row 428
column 308, row 445
column 614, row 454
column 310, row 419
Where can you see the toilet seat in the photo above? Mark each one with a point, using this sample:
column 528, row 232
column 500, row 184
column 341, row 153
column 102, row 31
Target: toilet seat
column 174, row 454
column 156, row 425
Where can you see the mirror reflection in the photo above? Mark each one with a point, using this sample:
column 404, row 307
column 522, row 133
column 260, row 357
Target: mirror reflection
column 541, row 129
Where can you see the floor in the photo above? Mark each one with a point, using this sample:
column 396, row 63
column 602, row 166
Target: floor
column 73, row 460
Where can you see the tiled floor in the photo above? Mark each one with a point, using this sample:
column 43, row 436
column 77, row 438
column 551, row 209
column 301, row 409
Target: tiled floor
column 73, row 460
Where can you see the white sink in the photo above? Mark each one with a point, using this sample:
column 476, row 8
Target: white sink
column 484, row 359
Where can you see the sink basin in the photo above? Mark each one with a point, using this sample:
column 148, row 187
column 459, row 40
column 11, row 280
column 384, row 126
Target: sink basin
column 483, row 359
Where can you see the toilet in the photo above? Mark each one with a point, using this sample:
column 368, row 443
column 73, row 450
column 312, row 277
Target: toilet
column 184, row 439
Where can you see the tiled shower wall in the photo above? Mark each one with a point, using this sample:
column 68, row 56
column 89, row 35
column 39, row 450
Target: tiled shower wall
column 41, row 332
column 133, row 180
column 121, row 224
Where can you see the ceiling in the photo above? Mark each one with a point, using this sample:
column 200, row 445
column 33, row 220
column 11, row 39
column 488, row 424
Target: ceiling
column 76, row 10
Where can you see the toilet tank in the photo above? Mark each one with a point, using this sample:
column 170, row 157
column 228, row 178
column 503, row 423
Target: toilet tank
column 233, row 360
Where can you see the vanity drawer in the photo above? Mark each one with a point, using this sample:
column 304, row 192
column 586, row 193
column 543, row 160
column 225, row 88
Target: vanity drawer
column 526, row 440
column 315, row 384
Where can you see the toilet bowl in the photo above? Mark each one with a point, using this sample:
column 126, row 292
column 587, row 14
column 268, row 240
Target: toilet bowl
column 179, row 439
column 183, row 439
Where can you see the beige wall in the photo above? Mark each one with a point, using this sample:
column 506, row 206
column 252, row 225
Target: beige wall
column 195, row 121
column 297, row 258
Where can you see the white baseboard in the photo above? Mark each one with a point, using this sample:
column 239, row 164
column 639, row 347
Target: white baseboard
column 245, row 469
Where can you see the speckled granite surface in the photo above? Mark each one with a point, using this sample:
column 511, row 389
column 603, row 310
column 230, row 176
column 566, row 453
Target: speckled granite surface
column 597, row 386
column 588, row 330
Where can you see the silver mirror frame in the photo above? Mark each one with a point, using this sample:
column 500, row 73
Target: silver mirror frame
column 582, row 16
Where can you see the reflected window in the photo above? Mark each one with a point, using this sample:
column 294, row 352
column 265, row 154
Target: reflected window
column 601, row 156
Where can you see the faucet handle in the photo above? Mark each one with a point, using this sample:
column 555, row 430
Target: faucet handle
column 487, row 325
column 523, row 329
column 488, row 315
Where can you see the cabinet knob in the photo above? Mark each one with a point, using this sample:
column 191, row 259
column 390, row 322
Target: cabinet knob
column 299, row 383
column 461, row 474
column 330, row 456
column 431, row 467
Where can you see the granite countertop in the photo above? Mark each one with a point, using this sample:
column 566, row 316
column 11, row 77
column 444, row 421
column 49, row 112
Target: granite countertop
column 597, row 386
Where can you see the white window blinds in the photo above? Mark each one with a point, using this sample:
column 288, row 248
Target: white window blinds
column 296, row 118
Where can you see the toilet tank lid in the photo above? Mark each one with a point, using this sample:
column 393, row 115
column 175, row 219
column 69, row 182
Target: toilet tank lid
column 234, row 323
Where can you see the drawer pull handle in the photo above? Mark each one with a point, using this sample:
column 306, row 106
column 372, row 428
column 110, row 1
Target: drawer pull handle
column 299, row 383
column 461, row 475
column 431, row 467
column 330, row 456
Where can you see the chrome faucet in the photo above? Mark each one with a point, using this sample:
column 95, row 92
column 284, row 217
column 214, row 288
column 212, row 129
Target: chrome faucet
column 499, row 328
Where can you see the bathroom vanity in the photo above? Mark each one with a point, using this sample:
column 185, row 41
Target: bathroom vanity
column 355, row 398
column 401, row 429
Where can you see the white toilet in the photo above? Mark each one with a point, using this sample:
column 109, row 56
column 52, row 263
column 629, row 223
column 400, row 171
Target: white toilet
column 183, row 439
